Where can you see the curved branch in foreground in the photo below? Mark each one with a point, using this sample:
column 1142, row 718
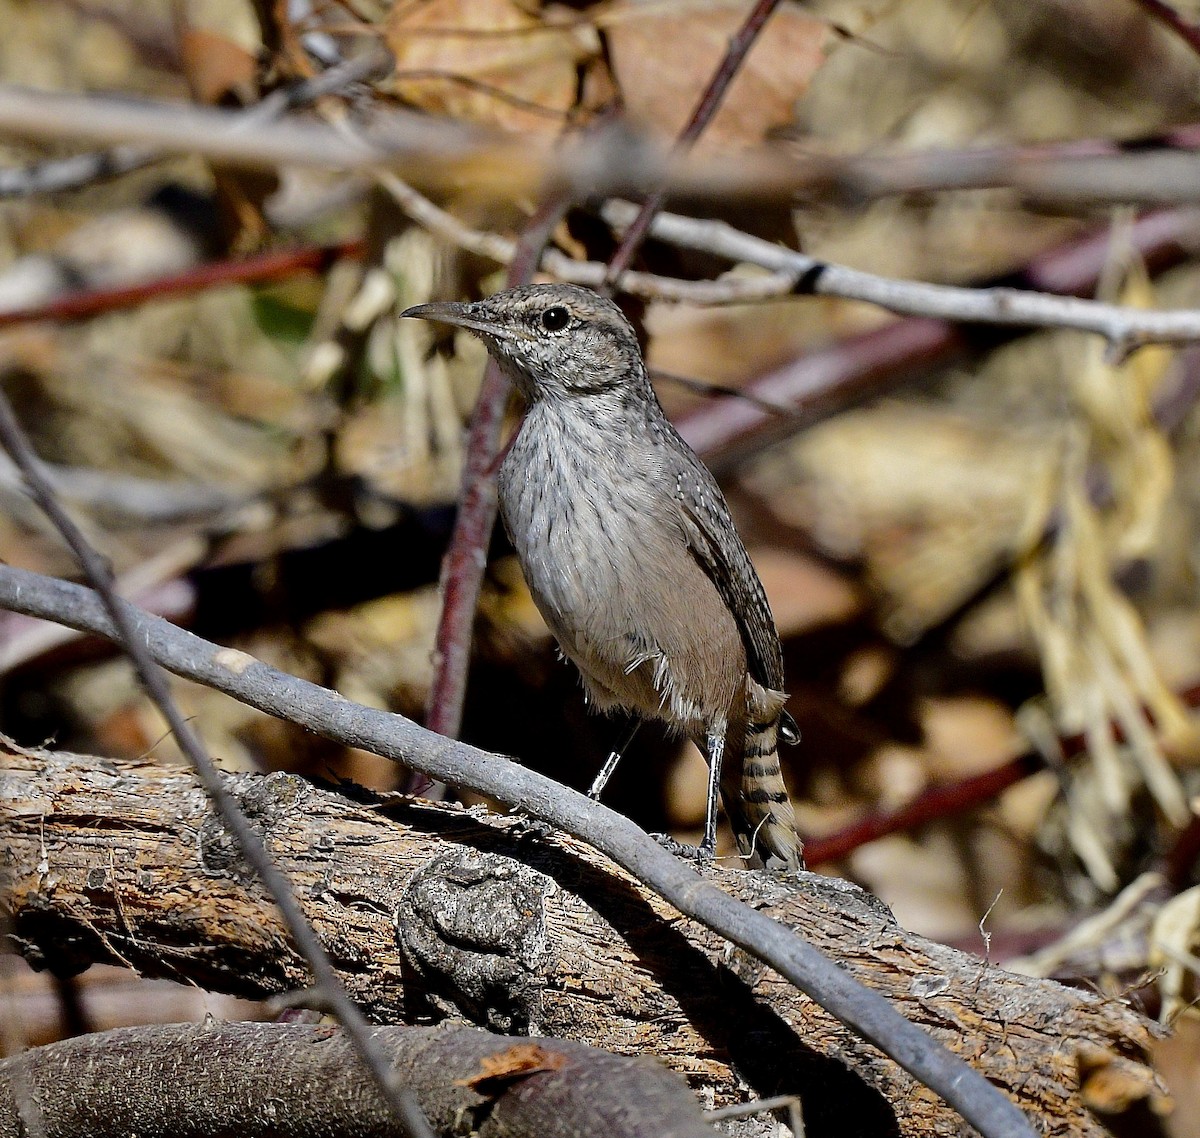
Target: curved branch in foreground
column 429, row 910
column 261, row 1080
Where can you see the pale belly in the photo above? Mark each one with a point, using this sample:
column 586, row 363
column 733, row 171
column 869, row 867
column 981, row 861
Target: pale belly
column 621, row 592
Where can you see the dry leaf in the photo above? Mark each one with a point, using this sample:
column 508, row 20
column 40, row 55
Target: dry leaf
column 1111, row 1084
column 663, row 56
column 516, row 1062
column 489, row 61
column 217, row 70
column 220, row 72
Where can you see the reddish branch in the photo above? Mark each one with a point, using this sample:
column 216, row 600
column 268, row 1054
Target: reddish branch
column 463, row 565
column 935, row 804
column 710, row 101
column 945, row 801
column 1185, row 29
column 251, row 270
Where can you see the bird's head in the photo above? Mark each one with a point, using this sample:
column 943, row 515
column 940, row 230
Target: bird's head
column 554, row 341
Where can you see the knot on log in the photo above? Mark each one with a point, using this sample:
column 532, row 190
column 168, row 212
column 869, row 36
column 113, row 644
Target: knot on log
column 473, row 925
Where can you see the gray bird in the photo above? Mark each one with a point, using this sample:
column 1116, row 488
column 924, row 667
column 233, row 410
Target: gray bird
column 630, row 553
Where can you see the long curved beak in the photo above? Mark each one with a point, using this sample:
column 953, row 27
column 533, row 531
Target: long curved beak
column 457, row 313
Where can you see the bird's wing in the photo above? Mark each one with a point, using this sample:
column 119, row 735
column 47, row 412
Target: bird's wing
column 718, row 550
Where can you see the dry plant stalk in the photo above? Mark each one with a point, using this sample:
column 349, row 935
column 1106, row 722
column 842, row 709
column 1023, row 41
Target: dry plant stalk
column 1101, row 679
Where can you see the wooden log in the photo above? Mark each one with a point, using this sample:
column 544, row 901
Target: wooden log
column 431, row 911
column 265, row 1080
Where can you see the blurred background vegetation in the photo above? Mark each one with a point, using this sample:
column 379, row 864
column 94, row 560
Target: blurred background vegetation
column 972, row 562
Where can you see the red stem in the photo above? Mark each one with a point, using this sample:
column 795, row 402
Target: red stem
column 934, row 804
column 264, row 267
column 953, row 798
column 1185, row 29
column 463, row 565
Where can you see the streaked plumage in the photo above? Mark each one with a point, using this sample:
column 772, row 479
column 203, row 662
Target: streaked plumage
column 629, row 549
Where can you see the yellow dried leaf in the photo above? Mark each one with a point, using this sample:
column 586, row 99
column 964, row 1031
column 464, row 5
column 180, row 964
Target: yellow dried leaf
column 1172, row 937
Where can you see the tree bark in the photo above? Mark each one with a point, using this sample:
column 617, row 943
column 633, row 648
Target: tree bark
column 263, row 1080
column 431, row 911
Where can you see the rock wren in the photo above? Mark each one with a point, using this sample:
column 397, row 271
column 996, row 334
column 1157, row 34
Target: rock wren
column 630, row 553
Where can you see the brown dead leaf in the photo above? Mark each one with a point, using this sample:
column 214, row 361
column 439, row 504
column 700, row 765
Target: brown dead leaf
column 218, row 71
column 1111, row 1084
column 663, row 56
column 967, row 735
column 489, row 61
column 516, row 1062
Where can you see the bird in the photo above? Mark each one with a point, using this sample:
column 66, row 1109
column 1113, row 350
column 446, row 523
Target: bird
column 630, row 553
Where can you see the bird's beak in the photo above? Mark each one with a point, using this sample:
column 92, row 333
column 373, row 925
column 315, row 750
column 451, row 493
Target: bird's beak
column 459, row 314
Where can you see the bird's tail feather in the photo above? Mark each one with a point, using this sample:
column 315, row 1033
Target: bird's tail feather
column 757, row 802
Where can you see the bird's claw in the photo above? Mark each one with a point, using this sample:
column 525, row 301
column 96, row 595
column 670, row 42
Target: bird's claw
column 701, row 854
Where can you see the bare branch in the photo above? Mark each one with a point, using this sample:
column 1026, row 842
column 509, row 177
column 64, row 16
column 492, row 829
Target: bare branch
column 792, row 273
column 828, row 379
column 79, row 170
column 283, row 1078
column 432, row 152
column 496, row 247
column 1122, row 327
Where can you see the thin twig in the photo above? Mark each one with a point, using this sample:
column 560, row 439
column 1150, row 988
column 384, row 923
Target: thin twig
column 747, row 1109
column 1185, row 29
column 466, row 557
column 791, row 273
column 1123, row 327
column 867, row 365
column 392, row 736
column 496, row 247
column 79, row 170
column 124, row 626
column 711, row 99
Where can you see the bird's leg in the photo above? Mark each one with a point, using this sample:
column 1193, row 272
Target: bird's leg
column 715, row 745
column 610, row 764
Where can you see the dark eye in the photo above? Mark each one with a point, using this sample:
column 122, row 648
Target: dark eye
column 555, row 319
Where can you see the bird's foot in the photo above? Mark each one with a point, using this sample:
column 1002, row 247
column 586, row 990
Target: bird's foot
column 702, row 854
column 527, row 827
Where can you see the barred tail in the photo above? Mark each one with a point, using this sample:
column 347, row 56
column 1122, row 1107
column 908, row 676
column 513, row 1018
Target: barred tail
column 757, row 802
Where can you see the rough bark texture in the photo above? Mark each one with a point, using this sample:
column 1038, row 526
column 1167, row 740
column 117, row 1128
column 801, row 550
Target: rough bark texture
column 431, row 911
column 262, row 1080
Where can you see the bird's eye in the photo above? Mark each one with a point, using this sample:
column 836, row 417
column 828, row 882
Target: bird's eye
column 555, row 319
